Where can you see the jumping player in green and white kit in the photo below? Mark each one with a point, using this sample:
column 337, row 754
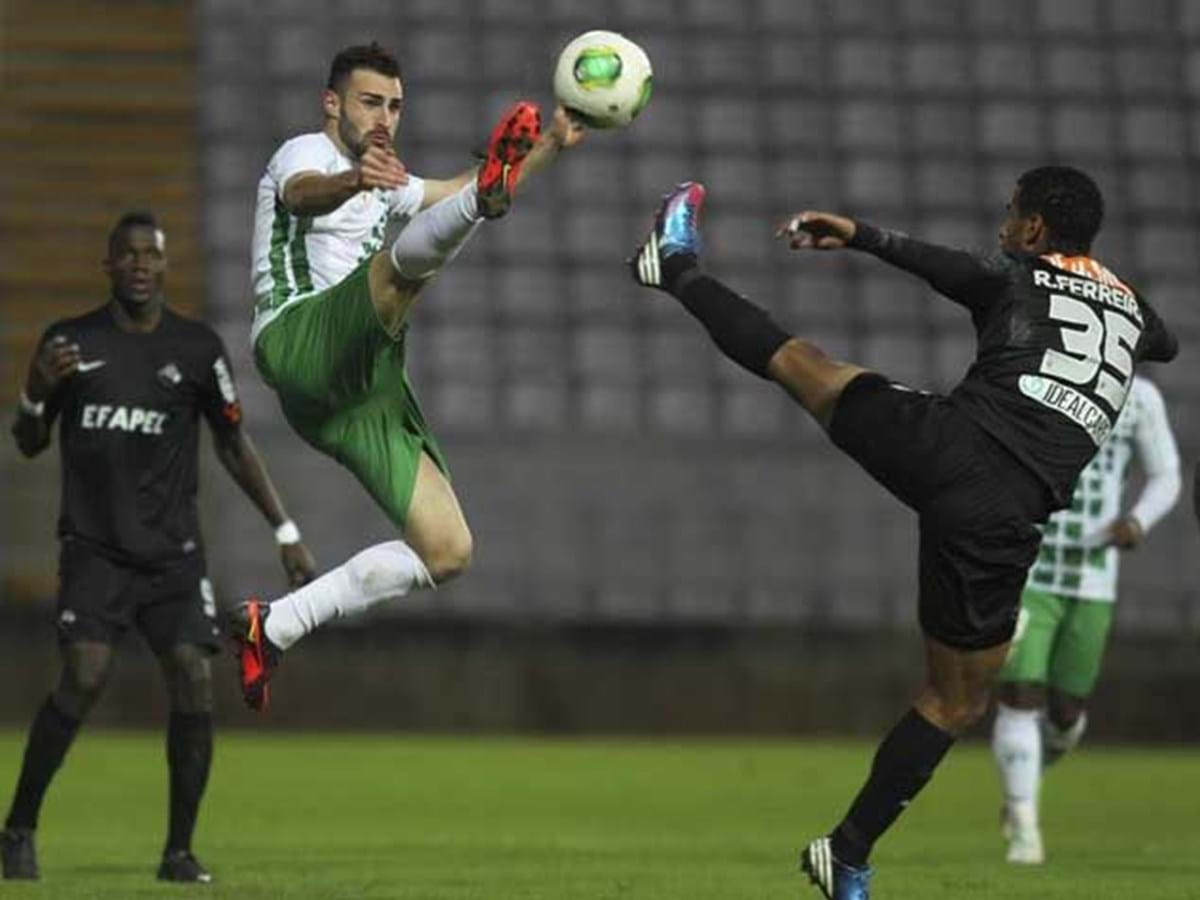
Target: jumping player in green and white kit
column 1067, row 609
column 331, row 303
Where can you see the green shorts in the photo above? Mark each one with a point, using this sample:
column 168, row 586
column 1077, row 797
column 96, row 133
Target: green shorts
column 1059, row 642
column 341, row 382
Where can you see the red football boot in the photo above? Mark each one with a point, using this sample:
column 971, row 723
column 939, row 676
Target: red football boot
column 257, row 656
column 511, row 141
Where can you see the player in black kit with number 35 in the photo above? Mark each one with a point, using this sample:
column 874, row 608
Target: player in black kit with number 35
column 1058, row 337
column 129, row 382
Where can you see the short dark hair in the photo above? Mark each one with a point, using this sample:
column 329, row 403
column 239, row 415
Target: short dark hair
column 361, row 56
column 136, row 218
column 1069, row 202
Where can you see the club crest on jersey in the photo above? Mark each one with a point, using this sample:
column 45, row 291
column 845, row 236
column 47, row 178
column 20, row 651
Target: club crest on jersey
column 130, row 419
column 170, row 375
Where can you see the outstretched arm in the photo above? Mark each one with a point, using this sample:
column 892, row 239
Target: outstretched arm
column 564, row 132
column 316, row 194
column 240, row 458
column 961, row 276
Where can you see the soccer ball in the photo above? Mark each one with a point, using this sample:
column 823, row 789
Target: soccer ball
column 604, row 78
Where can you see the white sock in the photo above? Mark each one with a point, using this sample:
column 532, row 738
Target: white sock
column 1061, row 741
column 1017, row 746
column 435, row 235
column 376, row 574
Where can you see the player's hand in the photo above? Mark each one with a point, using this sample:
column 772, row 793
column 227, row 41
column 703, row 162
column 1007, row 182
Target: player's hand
column 379, row 167
column 812, row 230
column 1126, row 533
column 566, row 130
column 55, row 360
column 298, row 563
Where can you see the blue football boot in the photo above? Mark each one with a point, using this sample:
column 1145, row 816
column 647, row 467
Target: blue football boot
column 835, row 879
column 676, row 234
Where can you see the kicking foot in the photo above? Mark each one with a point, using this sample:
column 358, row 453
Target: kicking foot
column 508, row 147
column 257, row 656
column 181, row 865
column 674, row 244
column 834, row 879
column 19, row 854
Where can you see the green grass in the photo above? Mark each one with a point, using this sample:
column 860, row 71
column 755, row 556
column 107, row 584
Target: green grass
column 455, row 818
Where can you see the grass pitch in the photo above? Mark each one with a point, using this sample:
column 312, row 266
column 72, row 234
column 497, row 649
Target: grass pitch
column 313, row 816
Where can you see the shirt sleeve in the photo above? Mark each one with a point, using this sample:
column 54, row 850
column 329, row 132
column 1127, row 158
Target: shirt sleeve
column 969, row 279
column 405, row 202
column 218, row 395
column 1159, row 458
column 307, row 153
column 1157, row 344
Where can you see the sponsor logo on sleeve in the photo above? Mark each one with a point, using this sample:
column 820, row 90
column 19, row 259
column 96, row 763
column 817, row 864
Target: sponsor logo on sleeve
column 208, row 598
column 232, row 409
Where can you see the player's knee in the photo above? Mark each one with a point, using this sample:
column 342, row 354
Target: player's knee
column 189, row 677
column 83, row 678
column 954, row 714
column 451, row 556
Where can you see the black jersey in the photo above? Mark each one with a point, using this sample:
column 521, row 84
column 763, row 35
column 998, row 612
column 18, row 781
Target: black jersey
column 1058, row 338
column 130, row 433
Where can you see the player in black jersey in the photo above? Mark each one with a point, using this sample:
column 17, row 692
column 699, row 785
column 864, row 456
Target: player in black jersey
column 1058, row 337
column 128, row 383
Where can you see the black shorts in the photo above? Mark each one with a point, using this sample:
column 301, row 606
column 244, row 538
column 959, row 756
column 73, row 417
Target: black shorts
column 98, row 599
column 977, row 505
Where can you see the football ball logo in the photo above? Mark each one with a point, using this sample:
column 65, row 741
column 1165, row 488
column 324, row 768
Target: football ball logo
column 603, row 78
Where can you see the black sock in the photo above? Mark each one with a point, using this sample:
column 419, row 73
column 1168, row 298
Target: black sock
column 744, row 332
column 189, row 756
column 50, row 737
column 673, row 267
column 903, row 765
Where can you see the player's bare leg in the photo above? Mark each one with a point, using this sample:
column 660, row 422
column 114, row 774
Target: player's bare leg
column 436, row 528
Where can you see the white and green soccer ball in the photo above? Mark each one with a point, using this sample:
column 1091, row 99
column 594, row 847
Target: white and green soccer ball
column 604, row 78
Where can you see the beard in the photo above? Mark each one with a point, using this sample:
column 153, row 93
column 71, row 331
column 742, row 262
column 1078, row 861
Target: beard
column 358, row 141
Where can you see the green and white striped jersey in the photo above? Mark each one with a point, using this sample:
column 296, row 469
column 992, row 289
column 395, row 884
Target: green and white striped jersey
column 294, row 256
column 1074, row 559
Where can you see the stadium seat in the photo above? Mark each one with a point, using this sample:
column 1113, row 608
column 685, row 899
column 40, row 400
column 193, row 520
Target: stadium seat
column 1007, row 67
column 1007, row 127
column 1078, row 69
column 876, row 180
column 1082, row 131
column 864, row 64
column 1069, row 16
column 938, row 68
column 440, row 53
column 610, row 409
column 869, row 125
column 1154, row 131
